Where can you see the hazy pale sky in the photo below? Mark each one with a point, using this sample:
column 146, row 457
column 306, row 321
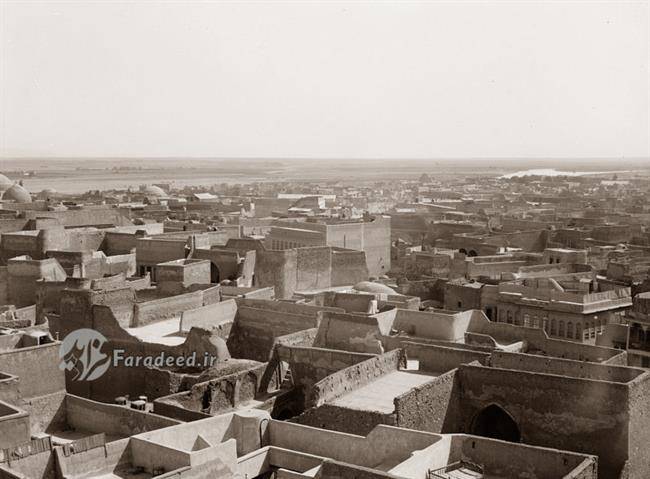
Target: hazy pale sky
column 326, row 79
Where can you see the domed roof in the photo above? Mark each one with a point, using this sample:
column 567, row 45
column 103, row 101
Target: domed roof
column 46, row 193
column 375, row 288
column 18, row 194
column 152, row 190
column 5, row 183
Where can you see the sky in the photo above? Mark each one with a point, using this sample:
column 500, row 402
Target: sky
column 324, row 79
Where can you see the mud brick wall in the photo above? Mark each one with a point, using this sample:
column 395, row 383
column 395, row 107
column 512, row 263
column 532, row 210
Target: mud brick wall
column 310, row 365
column 96, row 417
column 432, row 406
column 441, row 359
column 278, row 269
column 342, row 419
column 639, row 414
column 337, row 384
column 554, row 411
column 254, row 331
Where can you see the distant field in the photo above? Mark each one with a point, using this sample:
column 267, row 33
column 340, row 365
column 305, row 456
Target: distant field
column 80, row 175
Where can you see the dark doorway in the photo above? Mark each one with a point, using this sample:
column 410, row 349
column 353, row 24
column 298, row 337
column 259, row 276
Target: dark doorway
column 495, row 423
column 214, row 273
column 462, row 250
column 472, row 253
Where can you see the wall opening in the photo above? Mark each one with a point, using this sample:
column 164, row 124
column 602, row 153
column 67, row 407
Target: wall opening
column 495, row 423
column 215, row 276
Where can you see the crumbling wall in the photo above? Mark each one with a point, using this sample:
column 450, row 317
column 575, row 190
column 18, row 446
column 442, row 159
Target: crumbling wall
column 221, row 394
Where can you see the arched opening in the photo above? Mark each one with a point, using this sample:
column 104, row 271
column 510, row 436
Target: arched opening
column 462, row 250
column 472, row 253
column 495, row 423
column 214, row 273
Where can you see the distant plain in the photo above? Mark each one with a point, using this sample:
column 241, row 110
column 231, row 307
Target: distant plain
column 77, row 175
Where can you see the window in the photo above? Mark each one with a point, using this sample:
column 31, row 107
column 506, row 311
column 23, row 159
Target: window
column 561, row 331
column 569, row 330
column 460, row 305
column 553, row 327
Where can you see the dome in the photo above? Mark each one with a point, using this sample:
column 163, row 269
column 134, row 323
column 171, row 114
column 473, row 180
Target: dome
column 375, row 288
column 5, row 183
column 46, row 193
column 151, row 190
column 18, row 194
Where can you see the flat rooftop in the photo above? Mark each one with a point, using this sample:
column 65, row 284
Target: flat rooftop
column 379, row 394
column 161, row 332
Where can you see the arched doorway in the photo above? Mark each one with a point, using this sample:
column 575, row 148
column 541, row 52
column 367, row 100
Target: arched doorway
column 214, row 273
column 495, row 423
column 462, row 250
column 472, row 253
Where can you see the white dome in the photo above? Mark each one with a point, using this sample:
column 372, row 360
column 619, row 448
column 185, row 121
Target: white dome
column 18, row 194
